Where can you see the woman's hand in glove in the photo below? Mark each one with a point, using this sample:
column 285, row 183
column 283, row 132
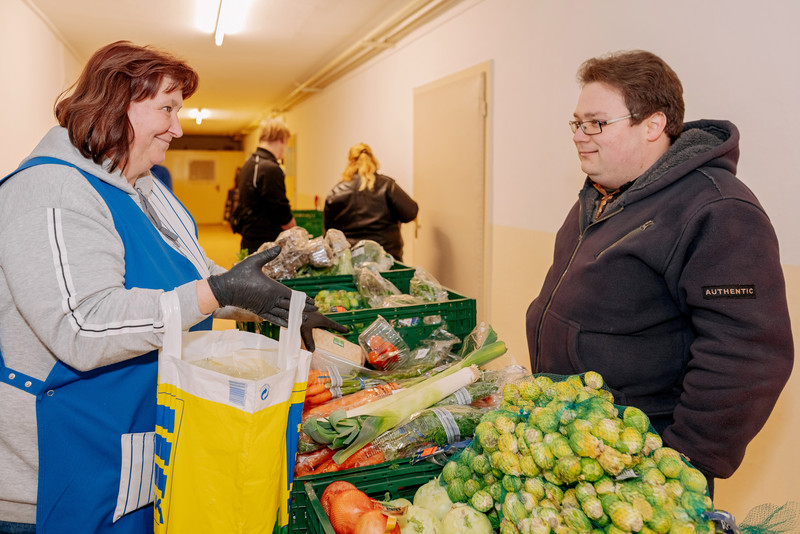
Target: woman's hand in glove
column 246, row 286
column 312, row 320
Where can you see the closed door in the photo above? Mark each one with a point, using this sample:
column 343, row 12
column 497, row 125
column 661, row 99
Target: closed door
column 450, row 181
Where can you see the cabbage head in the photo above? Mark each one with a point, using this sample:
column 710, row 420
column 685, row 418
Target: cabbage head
column 433, row 496
column 462, row 518
column 419, row 520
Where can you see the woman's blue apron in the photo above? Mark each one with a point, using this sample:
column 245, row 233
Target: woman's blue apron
column 83, row 416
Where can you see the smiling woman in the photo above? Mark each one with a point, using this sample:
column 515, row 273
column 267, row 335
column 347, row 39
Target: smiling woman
column 155, row 123
column 92, row 243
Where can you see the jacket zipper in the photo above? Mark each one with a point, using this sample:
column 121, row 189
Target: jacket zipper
column 644, row 226
column 552, row 294
column 641, row 228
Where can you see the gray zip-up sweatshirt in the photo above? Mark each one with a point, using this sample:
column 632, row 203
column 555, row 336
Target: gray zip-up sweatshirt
column 51, row 218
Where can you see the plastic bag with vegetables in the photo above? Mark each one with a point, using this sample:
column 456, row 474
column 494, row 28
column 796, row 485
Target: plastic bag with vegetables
column 426, row 287
column 487, row 392
column 374, row 288
column 385, row 349
column 294, row 254
column 367, row 250
column 434, row 426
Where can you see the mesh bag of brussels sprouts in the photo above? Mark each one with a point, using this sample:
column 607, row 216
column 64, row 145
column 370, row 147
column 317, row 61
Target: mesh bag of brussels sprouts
column 771, row 519
column 559, row 456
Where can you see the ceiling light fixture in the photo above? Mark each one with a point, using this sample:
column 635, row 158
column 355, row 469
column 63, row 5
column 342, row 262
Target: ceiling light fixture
column 226, row 17
column 219, row 29
column 199, row 114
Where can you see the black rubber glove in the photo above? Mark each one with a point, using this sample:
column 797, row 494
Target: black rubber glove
column 314, row 320
column 246, row 286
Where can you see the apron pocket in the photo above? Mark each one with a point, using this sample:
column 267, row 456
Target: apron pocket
column 136, row 473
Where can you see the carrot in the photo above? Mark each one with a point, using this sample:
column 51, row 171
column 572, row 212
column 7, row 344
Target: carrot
column 327, row 466
column 307, row 462
column 316, row 376
column 367, row 455
column 315, row 389
column 321, row 398
column 354, row 400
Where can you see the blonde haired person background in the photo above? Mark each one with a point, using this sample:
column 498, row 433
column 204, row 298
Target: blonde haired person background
column 369, row 205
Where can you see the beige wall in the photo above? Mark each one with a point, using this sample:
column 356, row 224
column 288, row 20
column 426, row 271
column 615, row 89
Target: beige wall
column 35, row 67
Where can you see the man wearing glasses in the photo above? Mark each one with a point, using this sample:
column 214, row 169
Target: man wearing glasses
column 666, row 277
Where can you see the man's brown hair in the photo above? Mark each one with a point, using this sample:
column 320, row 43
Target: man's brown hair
column 647, row 84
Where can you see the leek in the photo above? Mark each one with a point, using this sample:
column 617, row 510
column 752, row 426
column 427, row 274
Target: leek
column 356, row 428
column 479, row 357
column 419, row 397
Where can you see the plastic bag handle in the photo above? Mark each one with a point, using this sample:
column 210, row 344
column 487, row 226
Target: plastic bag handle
column 171, row 312
column 289, row 338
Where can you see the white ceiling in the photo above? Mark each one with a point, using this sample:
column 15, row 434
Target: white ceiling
column 283, row 46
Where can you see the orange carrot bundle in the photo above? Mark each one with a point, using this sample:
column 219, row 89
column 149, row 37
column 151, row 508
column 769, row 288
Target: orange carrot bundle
column 353, row 400
column 367, row 455
column 306, row 463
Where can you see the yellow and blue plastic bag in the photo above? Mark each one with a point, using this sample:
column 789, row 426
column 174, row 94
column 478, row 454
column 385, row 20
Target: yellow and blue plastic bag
column 225, row 446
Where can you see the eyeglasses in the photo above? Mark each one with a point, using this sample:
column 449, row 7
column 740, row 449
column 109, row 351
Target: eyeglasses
column 594, row 127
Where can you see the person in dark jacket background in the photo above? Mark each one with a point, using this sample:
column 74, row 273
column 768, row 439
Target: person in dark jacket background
column 265, row 210
column 666, row 277
column 368, row 205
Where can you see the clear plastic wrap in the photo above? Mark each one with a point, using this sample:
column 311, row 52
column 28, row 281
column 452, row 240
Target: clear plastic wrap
column 300, row 253
column 337, row 241
column 370, row 251
column 400, row 300
column 385, row 349
column 319, row 252
column 343, row 377
column 435, row 426
column 374, row 288
column 426, row 287
column 481, row 335
column 487, row 392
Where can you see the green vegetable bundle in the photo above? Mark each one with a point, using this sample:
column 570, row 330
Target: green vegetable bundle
column 559, row 456
column 437, row 426
column 337, row 300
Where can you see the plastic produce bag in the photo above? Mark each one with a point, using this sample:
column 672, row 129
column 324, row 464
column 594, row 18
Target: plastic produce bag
column 367, row 250
column 385, row 348
column 438, row 426
column 426, row 287
column 225, row 442
column 374, row 288
column 771, row 519
column 487, row 392
column 299, row 253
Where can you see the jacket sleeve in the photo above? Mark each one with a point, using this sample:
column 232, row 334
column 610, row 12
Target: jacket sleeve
column 402, row 206
column 272, row 188
column 742, row 354
column 63, row 264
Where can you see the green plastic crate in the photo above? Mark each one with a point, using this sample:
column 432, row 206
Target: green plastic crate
column 311, row 220
column 400, row 478
column 400, row 275
column 413, row 323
